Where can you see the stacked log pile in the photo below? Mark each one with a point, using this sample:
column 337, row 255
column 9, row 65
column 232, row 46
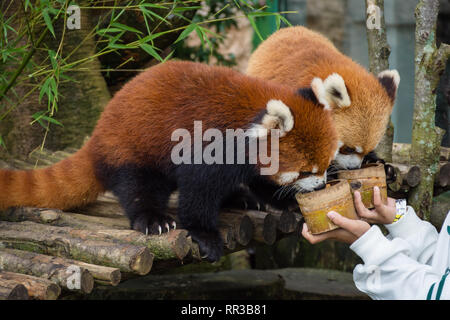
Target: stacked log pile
column 408, row 176
column 46, row 252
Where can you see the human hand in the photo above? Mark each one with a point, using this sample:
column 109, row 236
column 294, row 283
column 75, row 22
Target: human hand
column 350, row 230
column 382, row 214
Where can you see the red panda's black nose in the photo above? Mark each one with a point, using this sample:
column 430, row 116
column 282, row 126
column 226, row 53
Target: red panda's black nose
column 320, row 187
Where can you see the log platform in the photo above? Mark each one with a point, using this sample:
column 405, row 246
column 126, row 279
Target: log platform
column 48, row 254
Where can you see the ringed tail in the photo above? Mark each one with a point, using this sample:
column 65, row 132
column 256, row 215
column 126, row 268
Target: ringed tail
column 67, row 184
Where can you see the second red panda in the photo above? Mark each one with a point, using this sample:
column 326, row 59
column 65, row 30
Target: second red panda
column 294, row 56
column 130, row 149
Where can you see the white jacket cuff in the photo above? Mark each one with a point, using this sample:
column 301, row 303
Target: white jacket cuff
column 403, row 227
column 372, row 246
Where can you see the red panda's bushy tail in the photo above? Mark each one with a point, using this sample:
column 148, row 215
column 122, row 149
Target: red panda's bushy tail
column 67, row 184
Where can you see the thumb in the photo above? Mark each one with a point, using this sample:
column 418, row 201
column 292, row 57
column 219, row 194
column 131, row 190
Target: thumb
column 341, row 221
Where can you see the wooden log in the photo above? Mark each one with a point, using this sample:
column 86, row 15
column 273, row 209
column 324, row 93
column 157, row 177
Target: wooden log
column 406, row 175
column 265, row 226
column 397, row 184
column 413, row 176
column 286, row 221
column 39, row 215
column 63, row 219
column 38, row 288
column 400, row 153
column 409, row 176
column 174, row 244
column 443, row 176
column 440, row 208
column 60, row 241
column 240, row 223
column 11, row 290
column 444, row 154
column 228, row 237
column 103, row 207
column 58, row 270
column 102, row 275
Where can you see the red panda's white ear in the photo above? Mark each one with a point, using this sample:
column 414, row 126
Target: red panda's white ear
column 332, row 91
column 277, row 116
column 319, row 91
column 390, row 79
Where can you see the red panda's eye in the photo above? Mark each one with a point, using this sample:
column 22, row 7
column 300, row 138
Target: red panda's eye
column 347, row 150
column 304, row 174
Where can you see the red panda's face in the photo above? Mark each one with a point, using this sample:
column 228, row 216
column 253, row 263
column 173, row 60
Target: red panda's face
column 306, row 145
column 362, row 123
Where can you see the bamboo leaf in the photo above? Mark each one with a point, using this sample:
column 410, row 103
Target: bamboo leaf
column 48, row 21
column 125, row 27
column 186, row 32
column 151, row 51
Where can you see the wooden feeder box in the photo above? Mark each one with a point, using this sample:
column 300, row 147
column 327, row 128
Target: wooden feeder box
column 364, row 179
column 315, row 206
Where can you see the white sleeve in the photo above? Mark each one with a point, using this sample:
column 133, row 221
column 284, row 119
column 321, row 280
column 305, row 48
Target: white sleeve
column 389, row 273
column 420, row 235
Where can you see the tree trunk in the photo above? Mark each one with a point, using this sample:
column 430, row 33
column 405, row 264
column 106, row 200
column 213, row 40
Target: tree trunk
column 426, row 137
column 81, row 101
column 379, row 51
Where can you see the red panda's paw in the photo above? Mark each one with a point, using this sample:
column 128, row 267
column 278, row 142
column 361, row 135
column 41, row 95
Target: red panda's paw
column 153, row 225
column 209, row 243
column 245, row 201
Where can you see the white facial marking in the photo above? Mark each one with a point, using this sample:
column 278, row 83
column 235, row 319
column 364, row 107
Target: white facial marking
column 359, row 149
column 310, row 183
column 348, row 161
column 287, row 177
column 315, row 169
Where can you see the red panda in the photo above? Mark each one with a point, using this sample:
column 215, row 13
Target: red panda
column 130, row 149
column 295, row 55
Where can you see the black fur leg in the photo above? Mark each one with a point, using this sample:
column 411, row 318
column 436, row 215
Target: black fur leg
column 202, row 189
column 143, row 193
column 209, row 243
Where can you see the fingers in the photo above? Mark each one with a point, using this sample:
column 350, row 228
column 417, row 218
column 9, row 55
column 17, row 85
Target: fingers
column 356, row 227
column 338, row 234
column 362, row 211
column 377, row 202
column 341, row 221
column 313, row 239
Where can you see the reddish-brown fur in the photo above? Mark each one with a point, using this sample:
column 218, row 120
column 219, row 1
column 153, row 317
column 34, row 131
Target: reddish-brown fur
column 65, row 185
column 294, row 56
column 136, row 126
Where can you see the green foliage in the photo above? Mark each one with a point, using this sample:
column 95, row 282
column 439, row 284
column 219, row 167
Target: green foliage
column 23, row 28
